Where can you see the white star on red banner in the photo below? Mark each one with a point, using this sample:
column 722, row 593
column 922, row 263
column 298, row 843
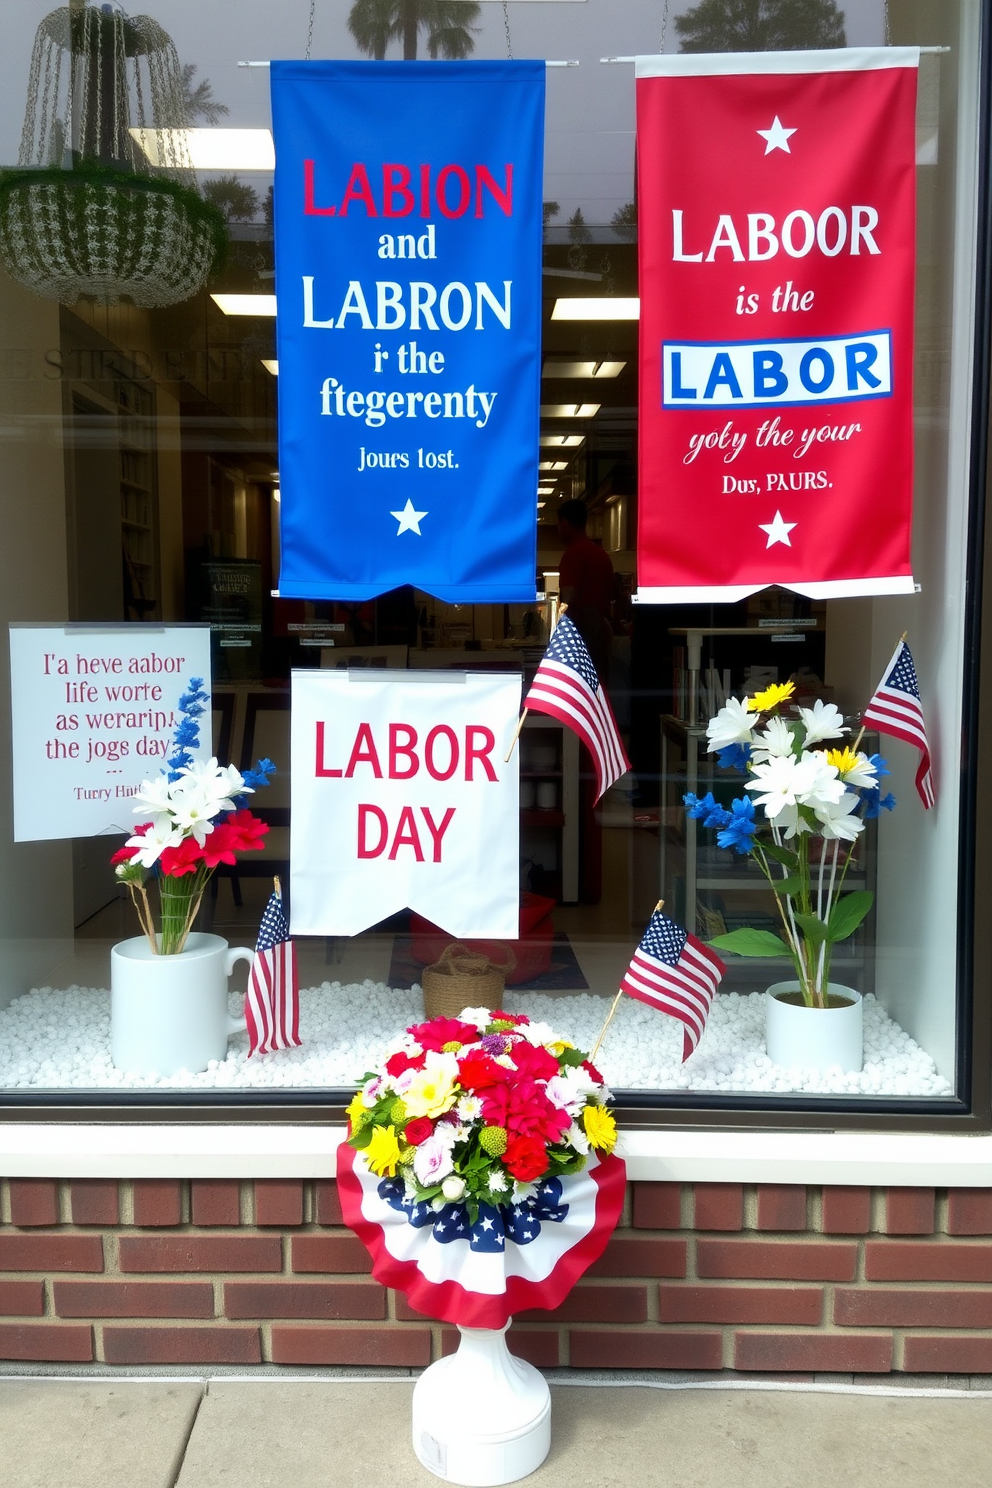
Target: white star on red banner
column 777, row 137
column 778, row 531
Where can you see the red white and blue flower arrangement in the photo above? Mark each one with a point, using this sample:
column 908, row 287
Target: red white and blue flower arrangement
column 481, row 1138
column 198, row 819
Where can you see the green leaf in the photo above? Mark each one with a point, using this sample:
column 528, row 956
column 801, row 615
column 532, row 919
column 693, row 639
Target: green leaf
column 791, row 885
column 849, row 912
column 751, row 943
column 783, row 855
column 814, row 929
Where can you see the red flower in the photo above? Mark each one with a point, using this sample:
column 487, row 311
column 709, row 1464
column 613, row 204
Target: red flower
column 513, row 1018
column 124, row 855
column 592, row 1071
column 477, row 1071
column 531, row 1114
column 533, row 1061
column 440, row 1031
column 496, row 1103
column 398, row 1064
column 244, row 832
column 525, row 1158
column 186, row 858
column 418, row 1130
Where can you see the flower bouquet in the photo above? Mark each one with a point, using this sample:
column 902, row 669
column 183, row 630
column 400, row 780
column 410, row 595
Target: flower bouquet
column 198, row 819
column 812, row 799
column 480, row 1137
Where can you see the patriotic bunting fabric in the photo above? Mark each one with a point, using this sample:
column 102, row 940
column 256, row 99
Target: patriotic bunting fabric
column 517, row 1256
column 895, row 709
column 674, row 972
column 272, row 1001
column 567, row 687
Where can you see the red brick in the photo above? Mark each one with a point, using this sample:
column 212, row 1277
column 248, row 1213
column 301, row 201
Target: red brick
column 846, row 1211
column 597, row 1304
column 172, row 1345
column 199, row 1253
column 644, row 1350
column 540, row 1349
column 157, row 1201
column 58, row 1252
column 933, row 1354
column 409, row 1347
column 278, row 1203
column 154, row 1299
column 716, row 1304
column 623, row 1257
column 904, row 1260
column 657, row 1206
column 94, row 1202
column 56, row 1342
column 406, row 1314
column 719, row 1206
column 330, row 1253
column 22, row 1298
column 847, row 1353
column 34, row 1201
column 215, row 1201
column 304, row 1299
column 969, row 1211
column 909, row 1211
column 781, row 1206
column 765, row 1260
column 328, row 1205
column 879, row 1307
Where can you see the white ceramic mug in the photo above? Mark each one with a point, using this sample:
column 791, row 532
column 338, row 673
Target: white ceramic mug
column 169, row 1013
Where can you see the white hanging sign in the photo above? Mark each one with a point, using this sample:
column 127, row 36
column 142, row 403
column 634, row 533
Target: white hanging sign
column 93, row 710
column 402, row 799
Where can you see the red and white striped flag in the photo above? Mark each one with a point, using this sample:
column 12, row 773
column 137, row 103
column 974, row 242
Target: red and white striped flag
column 675, row 973
column 567, row 687
column 896, row 709
column 272, row 1001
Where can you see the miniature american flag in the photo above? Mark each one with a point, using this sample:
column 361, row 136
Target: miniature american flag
column 674, row 972
column 896, row 709
column 567, row 687
column 272, row 1001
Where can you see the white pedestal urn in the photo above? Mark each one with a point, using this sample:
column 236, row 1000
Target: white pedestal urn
column 169, row 1013
column 814, row 1038
column 481, row 1416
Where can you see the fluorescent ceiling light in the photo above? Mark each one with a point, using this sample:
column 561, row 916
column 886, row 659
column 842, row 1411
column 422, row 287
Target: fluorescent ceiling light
column 553, row 465
column 208, row 149
column 605, row 307
column 271, row 365
column 582, row 369
column 245, row 304
column 563, row 441
column 570, row 410
column 541, row 504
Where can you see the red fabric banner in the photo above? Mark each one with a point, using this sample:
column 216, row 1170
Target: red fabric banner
column 777, row 222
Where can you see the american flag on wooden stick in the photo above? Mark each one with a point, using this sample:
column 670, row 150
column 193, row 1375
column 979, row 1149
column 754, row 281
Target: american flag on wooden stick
column 567, row 687
column 896, row 709
column 272, row 1001
column 674, row 972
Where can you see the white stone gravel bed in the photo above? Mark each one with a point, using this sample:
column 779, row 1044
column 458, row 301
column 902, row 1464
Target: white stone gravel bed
column 60, row 1039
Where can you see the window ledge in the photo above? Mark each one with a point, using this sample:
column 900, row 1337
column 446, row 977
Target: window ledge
column 876, row 1159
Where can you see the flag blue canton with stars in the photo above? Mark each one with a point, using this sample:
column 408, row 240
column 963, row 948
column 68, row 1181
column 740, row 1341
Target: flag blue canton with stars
column 520, row 1223
column 408, row 236
column 567, row 646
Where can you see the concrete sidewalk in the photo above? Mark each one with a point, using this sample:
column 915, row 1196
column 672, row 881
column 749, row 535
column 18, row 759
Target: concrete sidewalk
column 264, row 1433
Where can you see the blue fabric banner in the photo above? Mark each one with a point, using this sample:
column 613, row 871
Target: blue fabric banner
column 408, row 229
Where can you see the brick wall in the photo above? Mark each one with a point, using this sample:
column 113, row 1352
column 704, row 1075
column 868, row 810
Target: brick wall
column 699, row 1276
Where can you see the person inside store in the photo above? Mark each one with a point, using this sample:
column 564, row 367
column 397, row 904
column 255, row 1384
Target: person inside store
column 586, row 584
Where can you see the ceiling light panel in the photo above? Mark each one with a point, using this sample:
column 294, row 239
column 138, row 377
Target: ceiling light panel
column 605, row 307
column 563, row 441
column 271, row 365
column 553, row 465
column 582, row 369
column 245, row 304
column 208, row 149
column 570, row 410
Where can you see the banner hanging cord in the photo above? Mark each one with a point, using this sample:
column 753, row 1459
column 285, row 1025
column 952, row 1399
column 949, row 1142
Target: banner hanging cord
column 888, row 33
column 313, row 7
column 506, row 28
column 664, row 26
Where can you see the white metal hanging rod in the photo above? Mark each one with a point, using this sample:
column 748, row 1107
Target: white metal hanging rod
column 924, row 52
column 570, row 63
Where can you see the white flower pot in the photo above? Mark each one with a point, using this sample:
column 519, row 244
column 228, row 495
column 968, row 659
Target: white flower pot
column 169, row 1013
column 814, row 1038
column 481, row 1417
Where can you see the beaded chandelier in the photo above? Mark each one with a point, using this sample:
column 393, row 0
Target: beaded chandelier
column 86, row 213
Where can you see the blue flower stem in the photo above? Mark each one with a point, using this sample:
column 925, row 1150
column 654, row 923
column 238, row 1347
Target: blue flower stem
column 789, row 932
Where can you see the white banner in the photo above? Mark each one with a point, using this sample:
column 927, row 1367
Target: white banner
column 402, row 799
column 93, row 712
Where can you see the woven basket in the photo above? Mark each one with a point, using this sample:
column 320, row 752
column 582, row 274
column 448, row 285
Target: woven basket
column 461, row 978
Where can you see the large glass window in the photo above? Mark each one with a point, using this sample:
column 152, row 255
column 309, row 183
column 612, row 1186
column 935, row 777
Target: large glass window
column 140, row 485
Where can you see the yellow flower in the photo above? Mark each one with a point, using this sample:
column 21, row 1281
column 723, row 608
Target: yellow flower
column 558, row 1047
column 777, row 692
column 845, row 759
column 383, row 1152
column 358, row 1112
column 601, row 1127
column 431, row 1090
